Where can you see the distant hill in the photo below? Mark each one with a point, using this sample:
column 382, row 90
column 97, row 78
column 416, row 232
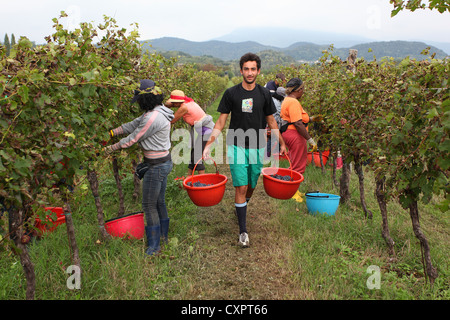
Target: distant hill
column 300, row 51
column 305, row 51
column 283, row 37
column 397, row 49
column 219, row 49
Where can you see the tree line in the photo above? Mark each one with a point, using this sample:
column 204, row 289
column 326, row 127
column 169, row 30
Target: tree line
column 9, row 43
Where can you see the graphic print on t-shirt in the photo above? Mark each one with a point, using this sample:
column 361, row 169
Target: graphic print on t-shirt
column 247, row 105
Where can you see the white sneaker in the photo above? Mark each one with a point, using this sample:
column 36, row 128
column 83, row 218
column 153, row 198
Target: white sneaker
column 243, row 239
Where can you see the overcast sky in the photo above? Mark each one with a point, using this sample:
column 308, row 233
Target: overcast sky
column 202, row 20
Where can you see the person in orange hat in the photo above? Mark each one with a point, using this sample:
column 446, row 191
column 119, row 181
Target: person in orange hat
column 200, row 122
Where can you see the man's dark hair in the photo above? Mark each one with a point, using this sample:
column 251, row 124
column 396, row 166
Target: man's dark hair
column 250, row 57
column 280, row 76
column 148, row 101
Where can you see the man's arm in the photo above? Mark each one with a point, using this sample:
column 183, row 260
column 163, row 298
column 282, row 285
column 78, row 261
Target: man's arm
column 218, row 127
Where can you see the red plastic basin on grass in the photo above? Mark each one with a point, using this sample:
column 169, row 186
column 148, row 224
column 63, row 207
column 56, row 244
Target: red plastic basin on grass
column 209, row 195
column 130, row 225
column 325, row 155
column 50, row 224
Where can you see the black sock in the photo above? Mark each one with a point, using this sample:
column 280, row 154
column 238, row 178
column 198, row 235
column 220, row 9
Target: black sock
column 241, row 211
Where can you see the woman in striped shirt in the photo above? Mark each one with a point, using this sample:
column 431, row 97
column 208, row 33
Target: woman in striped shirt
column 152, row 132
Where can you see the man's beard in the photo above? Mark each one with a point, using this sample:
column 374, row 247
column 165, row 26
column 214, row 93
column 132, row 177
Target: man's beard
column 249, row 82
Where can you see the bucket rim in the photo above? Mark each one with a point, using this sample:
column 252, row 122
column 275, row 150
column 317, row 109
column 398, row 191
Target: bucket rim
column 129, row 215
column 216, row 185
column 323, row 196
column 266, row 175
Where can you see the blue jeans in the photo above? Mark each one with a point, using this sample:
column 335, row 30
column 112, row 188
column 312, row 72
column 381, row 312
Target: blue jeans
column 154, row 191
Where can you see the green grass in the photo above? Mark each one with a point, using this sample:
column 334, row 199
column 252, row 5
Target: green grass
column 328, row 257
column 112, row 269
column 331, row 255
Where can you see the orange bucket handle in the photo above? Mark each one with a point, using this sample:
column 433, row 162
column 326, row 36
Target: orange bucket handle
column 193, row 171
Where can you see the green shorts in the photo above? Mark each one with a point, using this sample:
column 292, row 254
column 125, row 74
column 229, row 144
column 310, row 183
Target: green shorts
column 245, row 165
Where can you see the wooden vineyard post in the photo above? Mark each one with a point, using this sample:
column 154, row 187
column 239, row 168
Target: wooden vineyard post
column 353, row 53
column 119, row 187
column 430, row 271
column 344, row 183
column 381, row 198
column 360, row 173
column 71, row 232
column 16, row 226
column 93, row 181
column 334, row 155
column 322, row 166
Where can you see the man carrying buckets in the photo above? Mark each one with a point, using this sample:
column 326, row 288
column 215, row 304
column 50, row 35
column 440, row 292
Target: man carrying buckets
column 251, row 108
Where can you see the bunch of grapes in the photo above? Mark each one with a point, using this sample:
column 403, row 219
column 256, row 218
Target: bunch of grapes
column 198, row 184
column 284, row 178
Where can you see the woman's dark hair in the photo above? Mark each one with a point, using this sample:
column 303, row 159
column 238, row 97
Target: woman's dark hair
column 250, row 57
column 148, row 101
column 293, row 85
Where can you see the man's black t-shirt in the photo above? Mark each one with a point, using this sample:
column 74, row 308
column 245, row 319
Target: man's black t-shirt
column 248, row 115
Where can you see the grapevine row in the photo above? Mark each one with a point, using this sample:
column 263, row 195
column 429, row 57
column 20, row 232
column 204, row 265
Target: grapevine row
column 58, row 102
column 395, row 117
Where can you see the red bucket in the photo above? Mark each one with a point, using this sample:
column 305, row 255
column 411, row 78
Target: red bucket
column 50, row 225
column 131, row 225
column 325, row 155
column 280, row 189
column 206, row 196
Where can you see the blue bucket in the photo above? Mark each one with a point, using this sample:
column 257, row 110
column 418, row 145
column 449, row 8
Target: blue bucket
column 322, row 203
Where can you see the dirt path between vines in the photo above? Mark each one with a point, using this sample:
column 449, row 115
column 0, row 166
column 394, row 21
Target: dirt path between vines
column 228, row 271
